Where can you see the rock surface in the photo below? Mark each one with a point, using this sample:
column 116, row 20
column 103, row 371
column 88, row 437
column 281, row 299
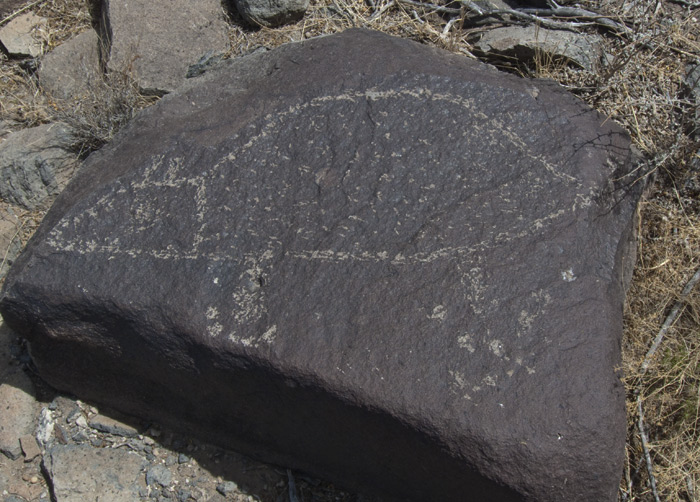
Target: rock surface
column 536, row 45
column 157, row 40
column 18, row 410
column 22, row 35
column 271, row 13
column 68, row 71
column 401, row 272
column 10, row 245
column 79, row 473
column 35, row 164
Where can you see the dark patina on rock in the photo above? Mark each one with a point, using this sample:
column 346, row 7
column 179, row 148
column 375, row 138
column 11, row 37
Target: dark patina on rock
column 359, row 257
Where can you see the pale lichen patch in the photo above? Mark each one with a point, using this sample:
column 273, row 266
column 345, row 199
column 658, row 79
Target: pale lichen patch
column 439, row 313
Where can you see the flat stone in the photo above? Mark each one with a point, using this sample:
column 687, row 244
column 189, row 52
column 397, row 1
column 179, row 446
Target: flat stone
column 531, row 45
column 81, row 472
column 30, row 448
column 111, row 425
column 35, row 164
column 159, row 475
column 402, row 273
column 18, row 409
column 73, row 68
column 271, row 13
column 158, row 40
column 22, row 35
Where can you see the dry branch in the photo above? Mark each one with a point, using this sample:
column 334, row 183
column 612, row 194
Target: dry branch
column 19, row 11
column 672, row 316
column 645, row 449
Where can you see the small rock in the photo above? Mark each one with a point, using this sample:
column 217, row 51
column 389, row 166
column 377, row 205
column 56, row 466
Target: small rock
column 111, row 425
column 19, row 409
column 529, row 45
column 207, row 61
column 183, row 495
column 29, row 447
column 80, row 472
column 97, row 442
column 271, row 13
column 170, row 460
column 80, row 436
column 226, row 487
column 44, row 429
column 160, row 39
column 182, row 458
column 75, row 413
column 22, row 35
column 81, row 421
column 71, row 69
column 159, row 475
column 35, row 164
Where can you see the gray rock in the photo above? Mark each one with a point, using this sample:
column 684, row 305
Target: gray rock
column 226, row 487
column 22, row 35
column 45, row 427
column 111, row 425
column 401, row 272
column 30, row 448
column 531, row 45
column 158, row 40
column 159, row 475
column 10, row 244
column 35, row 164
column 19, row 410
column 271, row 13
column 81, row 472
column 70, row 70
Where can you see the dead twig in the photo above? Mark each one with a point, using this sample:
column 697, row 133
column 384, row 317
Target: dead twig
column 692, row 5
column 670, row 319
column 645, row 449
column 668, row 322
column 580, row 15
column 433, row 7
column 20, row 11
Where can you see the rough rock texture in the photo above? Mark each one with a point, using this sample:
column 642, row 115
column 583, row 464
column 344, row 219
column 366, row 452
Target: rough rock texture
column 22, row 35
column 10, row 245
column 359, row 257
column 68, row 71
column 157, row 40
column 271, row 13
column 78, row 473
column 528, row 44
column 35, row 163
column 17, row 407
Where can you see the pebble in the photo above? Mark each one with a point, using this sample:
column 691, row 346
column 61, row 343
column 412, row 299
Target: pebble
column 182, row 458
column 160, row 475
column 226, row 487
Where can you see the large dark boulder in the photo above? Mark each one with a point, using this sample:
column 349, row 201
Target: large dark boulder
column 359, row 257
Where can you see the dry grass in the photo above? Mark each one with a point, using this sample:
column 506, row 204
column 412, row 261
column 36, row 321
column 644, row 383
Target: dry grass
column 639, row 87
